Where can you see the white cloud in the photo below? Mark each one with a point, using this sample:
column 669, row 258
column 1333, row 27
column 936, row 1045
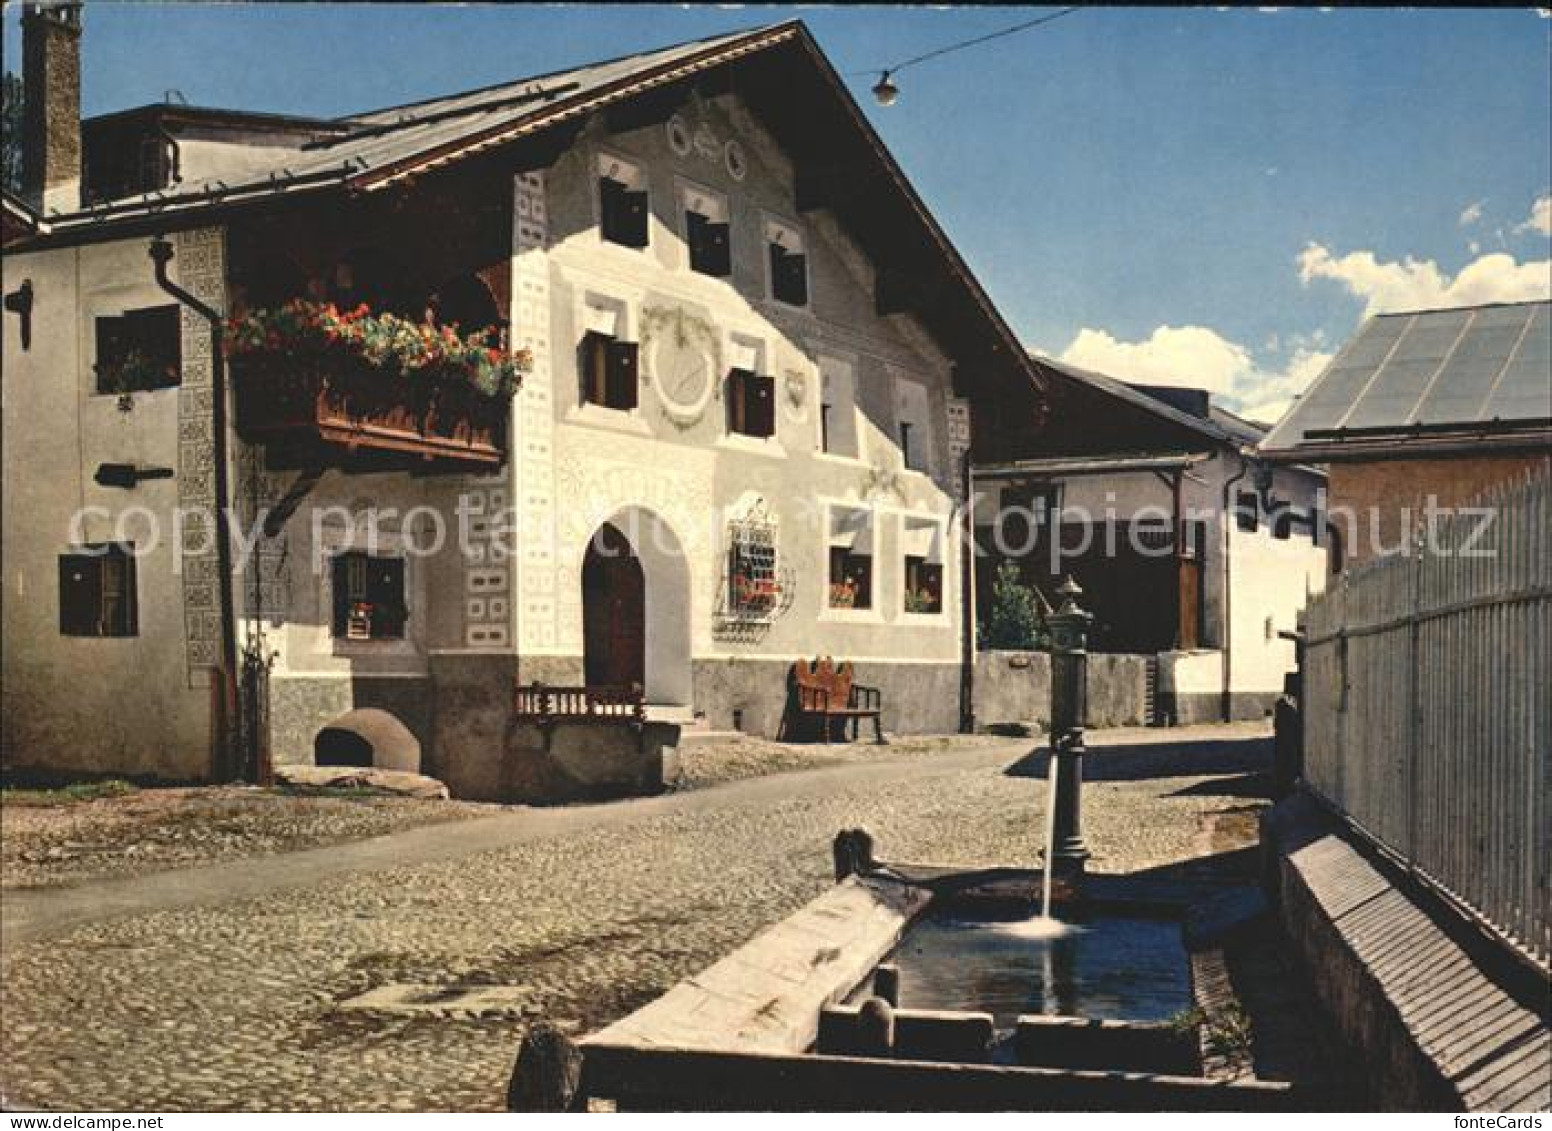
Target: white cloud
column 1419, row 284
column 1202, row 358
column 1540, row 219
column 1472, row 213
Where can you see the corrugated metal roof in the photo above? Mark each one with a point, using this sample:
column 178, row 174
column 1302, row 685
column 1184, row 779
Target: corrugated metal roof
column 1486, row 369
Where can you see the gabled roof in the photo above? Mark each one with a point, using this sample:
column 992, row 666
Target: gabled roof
column 376, row 148
column 780, row 73
column 1220, row 426
column 1431, row 380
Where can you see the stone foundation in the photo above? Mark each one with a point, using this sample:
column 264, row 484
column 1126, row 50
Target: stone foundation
column 301, row 706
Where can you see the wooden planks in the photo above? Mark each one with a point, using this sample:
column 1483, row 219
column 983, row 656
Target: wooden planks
column 767, row 995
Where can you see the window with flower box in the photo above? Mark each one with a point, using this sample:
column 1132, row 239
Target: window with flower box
column 922, row 546
column 139, row 350
column 369, row 597
column 754, row 584
column 851, row 559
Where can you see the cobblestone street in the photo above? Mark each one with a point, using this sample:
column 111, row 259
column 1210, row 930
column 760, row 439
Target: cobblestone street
column 233, row 1003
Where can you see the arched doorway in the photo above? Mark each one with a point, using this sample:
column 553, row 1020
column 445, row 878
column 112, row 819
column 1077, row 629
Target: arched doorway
column 636, row 607
column 614, row 611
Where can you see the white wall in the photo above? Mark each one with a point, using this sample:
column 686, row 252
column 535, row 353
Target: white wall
column 579, row 464
column 135, row 704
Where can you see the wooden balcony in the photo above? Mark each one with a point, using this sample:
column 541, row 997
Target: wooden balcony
column 347, row 416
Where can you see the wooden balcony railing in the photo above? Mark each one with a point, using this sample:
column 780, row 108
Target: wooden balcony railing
column 545, row 703
column 343, row 415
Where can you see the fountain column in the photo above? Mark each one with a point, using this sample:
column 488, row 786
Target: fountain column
column 1069, row 698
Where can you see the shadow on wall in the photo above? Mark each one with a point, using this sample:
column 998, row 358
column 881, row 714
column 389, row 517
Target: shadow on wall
column 367, row 737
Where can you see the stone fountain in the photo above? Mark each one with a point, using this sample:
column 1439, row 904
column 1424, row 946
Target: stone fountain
column 917, row 987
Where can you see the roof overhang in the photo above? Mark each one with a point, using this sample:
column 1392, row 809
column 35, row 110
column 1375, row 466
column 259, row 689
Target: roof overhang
column 1069, row 467
column 1416, row 442
column 842, row 163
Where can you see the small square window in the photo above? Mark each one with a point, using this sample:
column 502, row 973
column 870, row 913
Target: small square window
column 139, row 350
column 788, row 263
column 751, row 401
column 97, row 592
column 608, row 368
column 623, row 212
column 789, row 276
column 369, row 597
column 923, row 585
column 851, row 579
column 851, row 559
column 711, row 251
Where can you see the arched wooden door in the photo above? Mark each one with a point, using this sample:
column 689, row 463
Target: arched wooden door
column 614, row 611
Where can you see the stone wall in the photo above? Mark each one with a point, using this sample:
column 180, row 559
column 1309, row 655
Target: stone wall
column 1015, row 688
column 916, row 698
column 1401, row 1004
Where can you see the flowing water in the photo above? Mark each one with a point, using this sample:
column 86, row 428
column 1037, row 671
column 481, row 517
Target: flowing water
column 1102, row 966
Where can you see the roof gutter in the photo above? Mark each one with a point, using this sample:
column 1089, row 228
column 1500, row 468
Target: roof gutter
column 1412, row 447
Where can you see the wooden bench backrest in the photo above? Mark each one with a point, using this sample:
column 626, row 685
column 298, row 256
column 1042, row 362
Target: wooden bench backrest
column 825, row 675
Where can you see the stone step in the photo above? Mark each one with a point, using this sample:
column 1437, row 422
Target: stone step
column 701, row 735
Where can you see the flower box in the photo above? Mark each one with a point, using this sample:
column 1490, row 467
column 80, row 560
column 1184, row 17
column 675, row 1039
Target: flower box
column 322, row 388
column 351, row 411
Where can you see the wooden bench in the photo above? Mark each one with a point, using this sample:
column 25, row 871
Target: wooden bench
column 544, row 703
column 825, row 691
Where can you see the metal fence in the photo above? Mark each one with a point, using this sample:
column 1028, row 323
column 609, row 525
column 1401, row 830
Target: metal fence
column 1428, row 707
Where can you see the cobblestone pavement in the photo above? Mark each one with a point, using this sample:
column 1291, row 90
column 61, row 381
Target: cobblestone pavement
column 152, row 830
column 234, row 1006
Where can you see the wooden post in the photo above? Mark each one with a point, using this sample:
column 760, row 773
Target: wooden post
column 546, row 1073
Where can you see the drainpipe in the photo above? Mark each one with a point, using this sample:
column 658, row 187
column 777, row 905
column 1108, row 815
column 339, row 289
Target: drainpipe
column 967, row 605
column 1226, row 702
column 161, row 252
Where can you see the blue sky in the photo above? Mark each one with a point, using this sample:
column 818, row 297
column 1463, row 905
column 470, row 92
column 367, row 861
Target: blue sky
column 1170, row 194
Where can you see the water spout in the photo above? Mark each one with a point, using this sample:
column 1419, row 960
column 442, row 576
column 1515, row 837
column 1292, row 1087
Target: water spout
column 1046, row 926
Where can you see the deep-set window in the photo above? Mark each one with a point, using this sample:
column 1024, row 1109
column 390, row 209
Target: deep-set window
column 851, row 559
column 139, row 350
column 97, row 591
column 608, row 367
column 923, row 585
column 788, row 264
column 369, row 597
column 922, row 549
column 623, row 210
column 837, row 408
column 751, row 401
column 706, row 231
column 912, row 414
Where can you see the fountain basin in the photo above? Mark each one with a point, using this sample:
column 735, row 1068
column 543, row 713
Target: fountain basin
column 1105, row 966
column 775, row 1024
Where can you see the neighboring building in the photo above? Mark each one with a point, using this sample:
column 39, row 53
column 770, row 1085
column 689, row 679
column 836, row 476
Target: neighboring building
column 1115, row 471
column 19, row 221
column 1435, row 405
column 755, row 360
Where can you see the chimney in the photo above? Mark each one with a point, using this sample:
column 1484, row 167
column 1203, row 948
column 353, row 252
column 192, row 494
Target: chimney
column 51, row 90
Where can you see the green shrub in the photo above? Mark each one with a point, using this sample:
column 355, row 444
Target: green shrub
column 1016, row 620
